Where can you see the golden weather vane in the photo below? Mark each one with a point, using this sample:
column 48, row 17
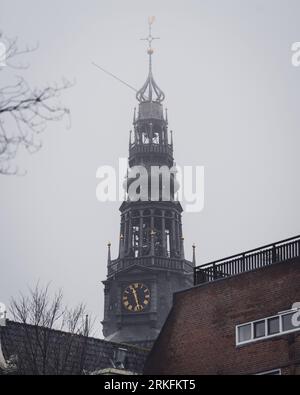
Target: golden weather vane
column 150, row 38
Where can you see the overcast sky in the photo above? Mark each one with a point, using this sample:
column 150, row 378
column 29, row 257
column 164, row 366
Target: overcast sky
column 233, row 99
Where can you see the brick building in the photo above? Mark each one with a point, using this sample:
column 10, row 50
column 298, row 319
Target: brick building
column 238, row 319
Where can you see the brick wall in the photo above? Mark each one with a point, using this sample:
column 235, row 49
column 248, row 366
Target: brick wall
column 199, row 335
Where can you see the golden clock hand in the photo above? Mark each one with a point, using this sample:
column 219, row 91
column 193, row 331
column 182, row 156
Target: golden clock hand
column 136, row 297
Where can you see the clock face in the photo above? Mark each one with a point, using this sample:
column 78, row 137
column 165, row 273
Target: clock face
column 136, row 298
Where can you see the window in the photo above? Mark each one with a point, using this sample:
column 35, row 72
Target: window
column 266, row 328
column 273, row 326
column 287, row 322
column 244, row 333
column 259, row 329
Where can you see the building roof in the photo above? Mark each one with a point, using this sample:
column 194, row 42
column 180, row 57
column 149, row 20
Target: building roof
column 38, row 350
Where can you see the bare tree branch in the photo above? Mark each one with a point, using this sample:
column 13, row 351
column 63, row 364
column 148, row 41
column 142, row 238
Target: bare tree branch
column 25, row 112
column 54, row 337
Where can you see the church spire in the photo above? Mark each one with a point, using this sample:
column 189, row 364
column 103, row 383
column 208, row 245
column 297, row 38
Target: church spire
column 150, row 92
column 151, row 264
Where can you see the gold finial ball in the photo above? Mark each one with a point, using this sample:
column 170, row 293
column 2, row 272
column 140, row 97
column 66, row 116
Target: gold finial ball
column 150, row 51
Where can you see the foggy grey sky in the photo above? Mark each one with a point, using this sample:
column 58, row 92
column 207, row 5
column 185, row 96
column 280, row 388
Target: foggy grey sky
column 233, row 99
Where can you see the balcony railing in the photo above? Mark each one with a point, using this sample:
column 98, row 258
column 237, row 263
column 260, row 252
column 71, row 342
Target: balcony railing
column 247, row 261
column 159, row 262
column 151, row 148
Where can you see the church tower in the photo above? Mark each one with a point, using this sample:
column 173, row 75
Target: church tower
column 151, row 264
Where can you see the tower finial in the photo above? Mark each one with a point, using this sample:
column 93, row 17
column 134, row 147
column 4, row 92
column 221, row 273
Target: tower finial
column 109, row 253
column 150, row 38
column 194, row 254
column 122, row 246
column 172, row 138
column 150, row 87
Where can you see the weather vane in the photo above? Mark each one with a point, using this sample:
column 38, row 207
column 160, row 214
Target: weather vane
column 150, row 83
column 150, row 38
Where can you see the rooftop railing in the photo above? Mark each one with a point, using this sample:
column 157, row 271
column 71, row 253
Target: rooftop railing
column 248, row 261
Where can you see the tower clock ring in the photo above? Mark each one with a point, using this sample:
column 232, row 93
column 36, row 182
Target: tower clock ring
column 136, row 297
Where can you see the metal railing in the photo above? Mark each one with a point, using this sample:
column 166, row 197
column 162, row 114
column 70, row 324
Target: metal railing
column 151, row 148
column 248, row 261
column 150, row 261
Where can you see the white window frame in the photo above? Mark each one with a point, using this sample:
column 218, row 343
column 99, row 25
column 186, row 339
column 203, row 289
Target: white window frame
column 270, row 372
column 252, row 323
